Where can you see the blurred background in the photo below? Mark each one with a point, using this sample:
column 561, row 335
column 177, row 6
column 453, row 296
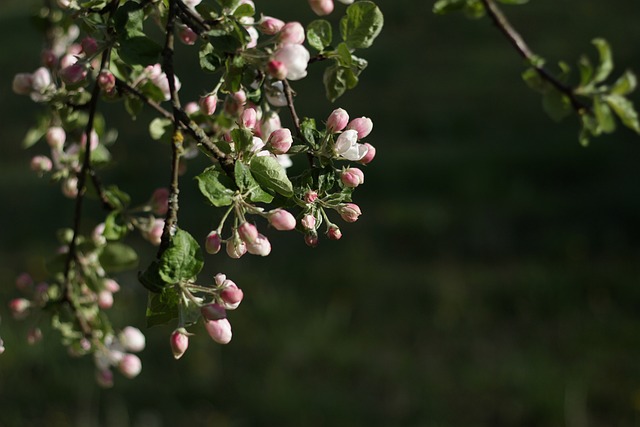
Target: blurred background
column 491, row 281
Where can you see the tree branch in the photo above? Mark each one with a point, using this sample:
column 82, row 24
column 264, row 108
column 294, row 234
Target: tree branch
column 288, row 92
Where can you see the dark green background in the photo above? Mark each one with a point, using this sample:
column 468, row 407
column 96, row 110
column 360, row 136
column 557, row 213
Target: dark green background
column 491, row 281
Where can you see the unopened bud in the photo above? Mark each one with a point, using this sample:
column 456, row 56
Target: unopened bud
column 213, row 312
column 311, row 239
column 213, row 243
column 208, row 104
column 24, row 282
column 49, row 58
column 89, row 45
column 349, row 212
column 310, row 196
column 106, row 80
column 236, row 248
column 261, row 246
column 105, row 299
column 308, row 222
column 130, row 365
column 132, row 339
column 292, row 33
column 104, row 378
column 22, row 83
column 337, row 120
column 334, row 233
column 73, row 74
column 41, row 79
column 371, row 153
column 56, row 136
column 362, row 125
column 179, row 343
column 160, row 201
column 232, row 294
column 41, row 164
column 70, row 187
column 280, row 141
column 249, row 118
column 34, row 336
column 352, row 177
column 277, row 69
column 19, row 307
column 321, row 7
column 154, row 235
column 282, row 220
column 111, row 285
column 187, row 36
column 248, row 232
column 270, row 26
column 219, row 330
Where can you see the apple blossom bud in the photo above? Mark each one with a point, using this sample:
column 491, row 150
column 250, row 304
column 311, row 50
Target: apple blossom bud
column 41, row 293
column 270, row 26
column 19, row 307
column 236, row 248
column 337, row 120
column 70, row 187
column 213, row 243
column 2, row 349
column 106, row 80
column 105, row 299
column 219, row 330
column 132, row 339
column 93, row 138
column 56, row 136
column 179, row 343
column 362, row 125
column 208, row 104
column 371, row 153
column 334, row 232
column 191, row 108
column 41, row 164
column 349, row 212
column 111, row 285
column 239, row 97
column 261, row 246
column 280, row 141
column 213, row 311
column 67, row 61
column 248, row 232
column 22, row 83
column 89, row 45
column 277, row 69
column 48, row 58
column 34, row 336
column 292, row 33
column 308, row 222
column 232, row 294
column 160, row 201
column 282, row 220
column 249, row 118
column 311, row 239
column 24, row 282
column 220, row 279
column 104, row 378
column 41, row 79
column 352, row 177
column 295, row 58
column 321, row 7
column 130, row 365
column 310, row 196
column 73, row 74
column 187, row 36
column 154, row 235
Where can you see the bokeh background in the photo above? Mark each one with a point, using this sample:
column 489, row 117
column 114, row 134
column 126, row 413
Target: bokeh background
column 492, row 280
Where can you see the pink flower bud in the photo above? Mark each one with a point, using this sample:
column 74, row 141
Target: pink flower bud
column 270, row 26
column 34, row 336
column 154, row 235
column 41, row 164
column 132, row 339
column 295, row 59
column 73, row 74
column 208, row 104
column 220, row 279
column 277, row 69
column 352, row 177
column 67, row 61
column 104, row 378
column 362, row 125
column 106, row 80
column 70, row 187
column 213, row 311
column 179, row 343
column 310, row 196
column 74, row 49
column 337, row 120
column 292, row 33
column 130, row 365
column 105, row 299
column 111, row 285
column 89, row 45
column 56, row 136
column 236, row 248
column 282, row 220
column 191, row 108
column 41, row 79
column 261, row 246
column 269, row 122
column 280, row 141
column 49, row 58
column 22, row 83
column 249, row 118
column 160, row 201
column 321, row 7
column 334, row 233
column 232, row 294
column 308, row 222
column 19, row 307
column 248, row 232
column 24, row 282
column 219, row 330
column 349, row 212
column 2, row 349
column 187, row 36
column 93, row 137
column 371, row 153
column 239, row 97
column 311, row 239
column 213, row 243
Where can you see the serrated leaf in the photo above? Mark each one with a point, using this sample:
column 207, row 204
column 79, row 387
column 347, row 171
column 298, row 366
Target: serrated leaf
column 334, row 81
column 140, row 50
column 116, row 257
column 129, row 19
column 151, row 279
column 182, row 260
column 604, row 116
column 271, row 175
column 242, row 138
column 361, row 24
column 624, row 110
column 606, row 62
column 246, row 182
column 625, row 84
column 243, row 10
column 209, row 60
column 162, row 307
column 216, row 186
column 114, row 226
column 319, row 34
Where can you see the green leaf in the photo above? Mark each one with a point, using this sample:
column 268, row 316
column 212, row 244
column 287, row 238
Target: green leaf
column 625, row 84
column 586, row 70
column 474, row 9
column 36, row 133
column 139, row 50
column 133, row 106
column 216, row 186
column 116, row 197
column 114, row 226
column 534, row 81
column 244, row 10
column 308, row 130
column 335, row 83
column 243, row 139
column 624, row 110
column 604, row 116
column 129, row 19
column 116, row 257
column 514, row 1
column 209, row 60
column 182, row 260
column 606, row 63
column 159, row 127
column 100, row 155
column 151, row 279
column 361, row 24
column 556, row 105
column 162, row 307
column 445, row 6
column 319, row 34
column 271, row 175
column 246, row 182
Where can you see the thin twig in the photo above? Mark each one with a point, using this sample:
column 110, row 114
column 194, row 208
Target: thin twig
column 288, row 92
column 500, row 21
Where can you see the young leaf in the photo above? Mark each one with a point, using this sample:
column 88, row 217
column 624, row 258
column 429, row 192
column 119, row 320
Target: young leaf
column 361, row 25
column 216, row 186
column 556, row 105
column 445, row 6
column 271, row 175
column 243, row 139
column 604, row 116
column 606, row 63
column 158, row 128
column 151, row 279
column 625, row 84
column 116, row 257
column 319, row 34
column 162, row 307
column 335, row 83
column 246, row 182
column 182, row 260
column 624, row 110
